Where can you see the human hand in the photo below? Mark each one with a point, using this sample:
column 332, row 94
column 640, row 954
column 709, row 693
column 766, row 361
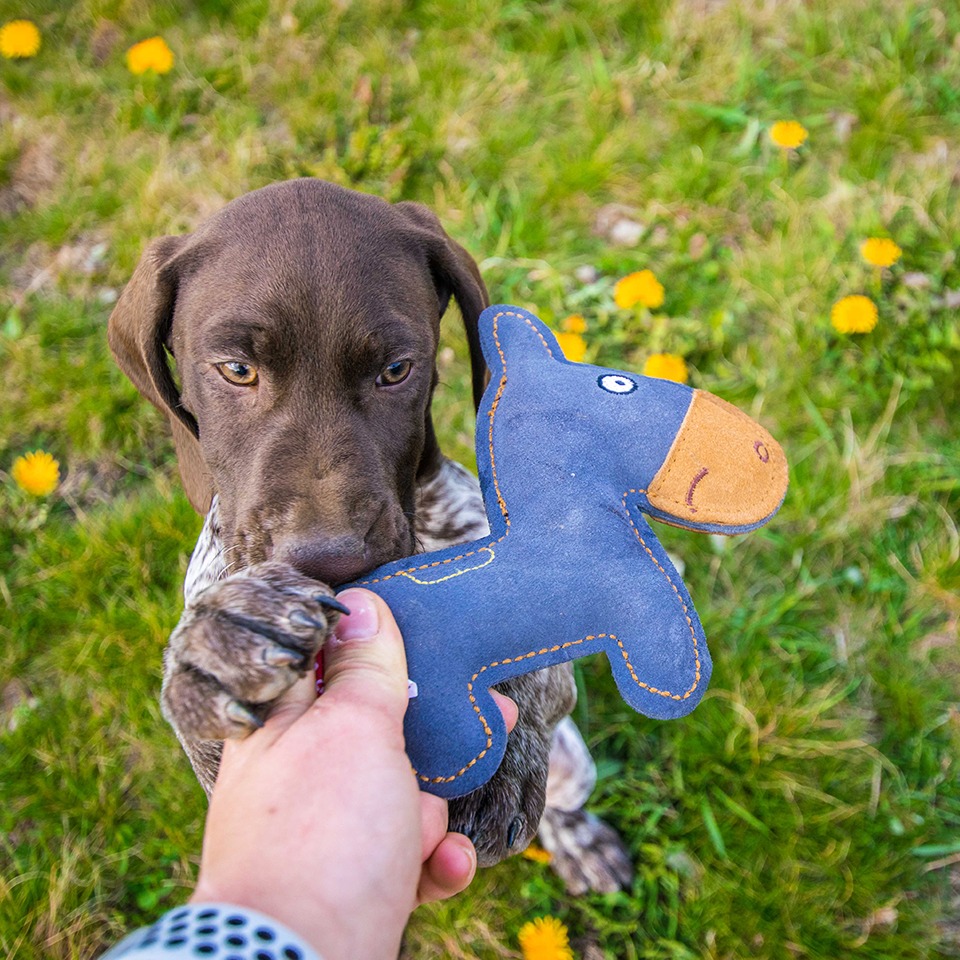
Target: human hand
column 317, row 820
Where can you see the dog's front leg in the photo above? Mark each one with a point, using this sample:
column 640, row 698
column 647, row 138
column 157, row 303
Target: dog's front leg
column 240, row 644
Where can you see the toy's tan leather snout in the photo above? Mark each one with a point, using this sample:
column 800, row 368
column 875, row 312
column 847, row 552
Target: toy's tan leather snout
column 723, row 469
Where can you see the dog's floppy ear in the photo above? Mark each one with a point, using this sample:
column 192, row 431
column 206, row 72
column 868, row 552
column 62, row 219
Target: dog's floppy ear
column 456, row 274
column 138, row 332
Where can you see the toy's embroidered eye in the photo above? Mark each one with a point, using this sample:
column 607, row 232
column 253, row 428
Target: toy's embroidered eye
column 237, row 372
column 616, row 383
column 394, row 373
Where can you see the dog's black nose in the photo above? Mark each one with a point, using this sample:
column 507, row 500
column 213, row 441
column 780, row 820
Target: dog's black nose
column 334, row 561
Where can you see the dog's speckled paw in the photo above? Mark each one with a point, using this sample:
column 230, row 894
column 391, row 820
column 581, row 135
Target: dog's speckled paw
column 239, row 645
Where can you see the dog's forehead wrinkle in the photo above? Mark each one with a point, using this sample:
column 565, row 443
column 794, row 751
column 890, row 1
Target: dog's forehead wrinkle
column 316, row 276
column 226, row 330
column 294, row 446
column 290, row 307
column 313, row 223
column 384, row 336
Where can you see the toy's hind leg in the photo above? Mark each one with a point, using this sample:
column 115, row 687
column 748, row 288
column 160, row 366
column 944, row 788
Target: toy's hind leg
column 586, row 853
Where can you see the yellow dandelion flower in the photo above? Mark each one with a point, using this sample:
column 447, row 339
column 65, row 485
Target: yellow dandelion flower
column 537, row 854
column 544, row 939
column 641, row 288
column 574, row 347
column 880, row 252
column 788, row 134
column 19, row 38
column 856, row 314
column 666, row 366
column 36, row 473
column 574, row 324
column 152, row 54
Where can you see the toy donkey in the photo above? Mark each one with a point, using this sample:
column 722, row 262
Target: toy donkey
column 571, row 456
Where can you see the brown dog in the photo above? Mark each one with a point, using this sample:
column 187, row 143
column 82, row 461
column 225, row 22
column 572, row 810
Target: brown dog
column 303, row 321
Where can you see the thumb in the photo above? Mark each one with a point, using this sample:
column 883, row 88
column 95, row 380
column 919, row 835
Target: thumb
column 292, row 705
column 364, row 660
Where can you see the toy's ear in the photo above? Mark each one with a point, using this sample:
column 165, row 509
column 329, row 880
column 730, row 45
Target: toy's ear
column 513, row 336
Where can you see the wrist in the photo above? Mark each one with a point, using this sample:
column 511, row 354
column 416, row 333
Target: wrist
column 215, row 929
column 331, row 930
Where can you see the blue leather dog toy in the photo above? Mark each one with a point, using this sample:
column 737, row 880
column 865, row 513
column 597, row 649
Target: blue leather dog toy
column 570, row 458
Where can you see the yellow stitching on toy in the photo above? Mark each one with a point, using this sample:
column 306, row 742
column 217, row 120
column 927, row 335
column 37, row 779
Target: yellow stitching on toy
column 459, row 573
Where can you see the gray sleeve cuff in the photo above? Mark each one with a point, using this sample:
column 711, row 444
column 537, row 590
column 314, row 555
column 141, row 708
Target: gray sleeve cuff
column 216, row 930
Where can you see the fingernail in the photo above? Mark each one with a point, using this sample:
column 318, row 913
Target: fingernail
column 363, row 620
column 469, row 862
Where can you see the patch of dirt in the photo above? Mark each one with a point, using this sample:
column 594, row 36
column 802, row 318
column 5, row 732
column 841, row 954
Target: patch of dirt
column 35, row 173
column 106, row 36
column 89, row 484
column 15, row 698
column 619, row 224
column 42, row 268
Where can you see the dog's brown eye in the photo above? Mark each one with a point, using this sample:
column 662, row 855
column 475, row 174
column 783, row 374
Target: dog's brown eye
column 394, row 373
column 238, row 372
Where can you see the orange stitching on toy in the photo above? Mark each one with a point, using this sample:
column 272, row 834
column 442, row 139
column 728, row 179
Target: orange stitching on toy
column 556, row 647
column 483, row 720
column 496, row 403
column 686, row 610
column 526, row 320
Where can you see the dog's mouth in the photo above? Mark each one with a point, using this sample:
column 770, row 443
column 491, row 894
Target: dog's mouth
column 334, row 559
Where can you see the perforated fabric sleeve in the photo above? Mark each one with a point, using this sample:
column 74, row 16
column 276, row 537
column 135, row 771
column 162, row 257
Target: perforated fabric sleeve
column 216, row 930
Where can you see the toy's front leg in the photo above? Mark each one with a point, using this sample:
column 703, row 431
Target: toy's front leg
column 659, row 659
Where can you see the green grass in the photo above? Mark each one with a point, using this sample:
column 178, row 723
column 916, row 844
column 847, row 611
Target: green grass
column 810, row 806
